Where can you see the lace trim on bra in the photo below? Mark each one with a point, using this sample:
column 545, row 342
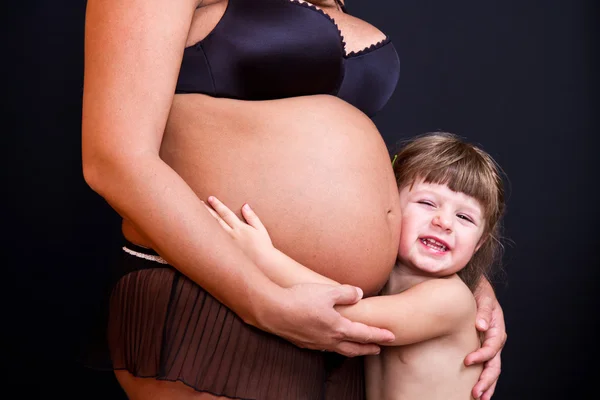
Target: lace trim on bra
column 370, row 48
column 353, row 53
column 323, row 13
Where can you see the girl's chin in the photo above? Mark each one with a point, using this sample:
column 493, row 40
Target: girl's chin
column 432, row 270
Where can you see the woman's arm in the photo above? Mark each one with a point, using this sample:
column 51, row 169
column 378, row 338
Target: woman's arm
column 133, row 51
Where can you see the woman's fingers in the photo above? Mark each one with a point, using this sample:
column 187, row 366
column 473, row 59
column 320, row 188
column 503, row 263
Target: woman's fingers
column 485, row 309
column 486, row 385
column 487, row 395
column 346, row 295
column 351, row 349
column 495, row 332
column 355, row 331
column 494, row 341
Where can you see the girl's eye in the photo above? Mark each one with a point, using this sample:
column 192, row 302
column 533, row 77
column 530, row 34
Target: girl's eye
column 427, row 203
column 466, row 218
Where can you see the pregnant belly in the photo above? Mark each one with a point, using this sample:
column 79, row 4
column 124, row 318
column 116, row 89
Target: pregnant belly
column 314, row 169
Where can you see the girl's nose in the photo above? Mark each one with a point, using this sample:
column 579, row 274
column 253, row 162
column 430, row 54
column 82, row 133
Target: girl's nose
column 442, row 221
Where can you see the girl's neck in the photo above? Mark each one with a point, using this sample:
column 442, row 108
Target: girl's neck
column 404, row 277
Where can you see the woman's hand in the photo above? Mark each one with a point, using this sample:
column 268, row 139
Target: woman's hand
column 308, row 319
column 490, row 319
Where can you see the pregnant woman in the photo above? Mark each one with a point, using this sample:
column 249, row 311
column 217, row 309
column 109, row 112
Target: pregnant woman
column 264, row 101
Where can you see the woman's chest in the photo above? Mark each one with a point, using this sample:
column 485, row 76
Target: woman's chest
column 270, row 49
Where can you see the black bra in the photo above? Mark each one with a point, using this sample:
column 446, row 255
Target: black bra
column 273, row 49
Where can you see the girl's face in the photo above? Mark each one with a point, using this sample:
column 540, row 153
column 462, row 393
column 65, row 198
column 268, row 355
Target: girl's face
column 441, row 229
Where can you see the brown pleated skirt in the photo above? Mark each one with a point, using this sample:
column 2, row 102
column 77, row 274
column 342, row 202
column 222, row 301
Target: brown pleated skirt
column 161, row 325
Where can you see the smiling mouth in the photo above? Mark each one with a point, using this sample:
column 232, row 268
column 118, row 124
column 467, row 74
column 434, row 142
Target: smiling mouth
column 434, row 244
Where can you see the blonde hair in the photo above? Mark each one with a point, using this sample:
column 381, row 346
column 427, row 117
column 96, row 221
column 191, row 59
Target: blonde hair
column 444, row 158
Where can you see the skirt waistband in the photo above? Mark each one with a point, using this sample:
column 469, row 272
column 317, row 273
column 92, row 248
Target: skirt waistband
column 143, row 252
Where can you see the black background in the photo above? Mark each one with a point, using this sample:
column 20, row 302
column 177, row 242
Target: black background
column 518, row 77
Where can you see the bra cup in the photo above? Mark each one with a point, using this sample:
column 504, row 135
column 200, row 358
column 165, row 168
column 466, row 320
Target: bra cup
column 370, row 79
column 195, row 73
column 276, row 51
column 273, row 49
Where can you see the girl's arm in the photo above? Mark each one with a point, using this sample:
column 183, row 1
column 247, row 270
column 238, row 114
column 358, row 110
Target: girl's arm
column 433, row 308
column 254, row 240
column 133, row 52
column 419, row 313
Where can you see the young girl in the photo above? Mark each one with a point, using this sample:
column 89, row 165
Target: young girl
column 452, row 198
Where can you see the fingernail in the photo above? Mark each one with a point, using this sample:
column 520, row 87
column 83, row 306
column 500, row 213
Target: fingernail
column 210, row 198
column 482, row 323
column 479, row 394
column 360, row 292
column 246, row 206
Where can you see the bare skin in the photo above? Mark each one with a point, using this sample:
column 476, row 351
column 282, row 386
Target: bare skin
column 428, row 307
column 133, row 53
column 231, row 152
column 147, row 152
column 234, row 152
column 429, row 369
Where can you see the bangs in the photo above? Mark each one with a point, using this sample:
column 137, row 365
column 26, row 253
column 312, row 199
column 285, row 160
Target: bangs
column 464, row 177
column 463, row 168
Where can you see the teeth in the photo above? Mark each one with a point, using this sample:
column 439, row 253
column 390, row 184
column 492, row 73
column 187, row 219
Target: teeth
column 434, row 244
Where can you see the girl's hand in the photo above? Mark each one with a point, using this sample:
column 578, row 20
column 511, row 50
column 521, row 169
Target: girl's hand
column 251, row 236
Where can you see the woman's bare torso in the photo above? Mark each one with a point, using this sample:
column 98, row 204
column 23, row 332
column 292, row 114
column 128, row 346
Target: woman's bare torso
column 314, row 168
